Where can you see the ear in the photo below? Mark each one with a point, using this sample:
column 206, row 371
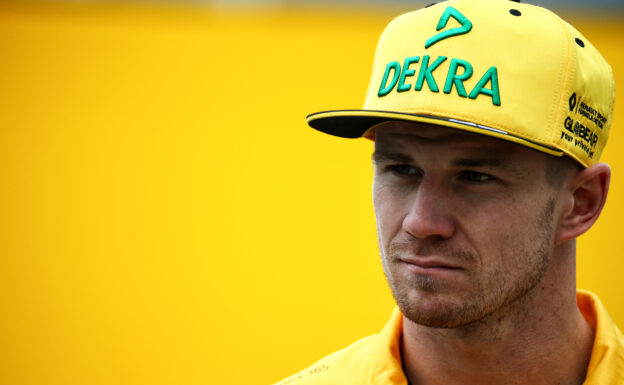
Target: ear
column 588, row 189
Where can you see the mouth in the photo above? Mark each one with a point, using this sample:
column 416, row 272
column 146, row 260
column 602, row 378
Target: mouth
column 429, row 265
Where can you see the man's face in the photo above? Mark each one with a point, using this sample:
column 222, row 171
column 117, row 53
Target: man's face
column 465, row 221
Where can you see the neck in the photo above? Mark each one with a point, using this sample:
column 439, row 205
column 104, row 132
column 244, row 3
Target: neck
column 541, row 339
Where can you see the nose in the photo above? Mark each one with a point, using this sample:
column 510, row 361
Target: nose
column 430, row 212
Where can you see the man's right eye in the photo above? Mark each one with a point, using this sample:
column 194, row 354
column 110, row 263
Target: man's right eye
column 404, row 169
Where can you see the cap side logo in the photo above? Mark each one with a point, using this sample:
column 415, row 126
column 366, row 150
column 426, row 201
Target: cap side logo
column 466, row 26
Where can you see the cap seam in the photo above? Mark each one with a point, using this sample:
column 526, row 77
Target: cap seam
column 568, row 80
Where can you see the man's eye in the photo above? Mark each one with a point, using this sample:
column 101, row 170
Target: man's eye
column 478, row 177
column 404, row 169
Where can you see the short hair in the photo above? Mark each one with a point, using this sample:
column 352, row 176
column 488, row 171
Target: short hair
column 558, row 168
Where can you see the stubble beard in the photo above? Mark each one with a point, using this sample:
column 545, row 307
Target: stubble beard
column 496, row 293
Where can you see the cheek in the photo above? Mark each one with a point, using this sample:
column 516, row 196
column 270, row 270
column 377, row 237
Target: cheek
column 504, row 234
column 389, row 213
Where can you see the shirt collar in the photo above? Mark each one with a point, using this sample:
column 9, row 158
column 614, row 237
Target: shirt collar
column 606, row 364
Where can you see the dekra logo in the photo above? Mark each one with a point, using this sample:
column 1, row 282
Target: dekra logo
column 427, row 67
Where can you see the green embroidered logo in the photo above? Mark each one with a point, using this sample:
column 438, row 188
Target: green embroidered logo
column 449, row 12
column 459, row 71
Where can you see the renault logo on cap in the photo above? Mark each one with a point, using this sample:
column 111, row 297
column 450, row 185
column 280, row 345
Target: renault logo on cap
column 572, row 101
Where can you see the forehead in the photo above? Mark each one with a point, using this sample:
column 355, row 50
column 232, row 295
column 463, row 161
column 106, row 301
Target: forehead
column 436, row 146
column 418, row 137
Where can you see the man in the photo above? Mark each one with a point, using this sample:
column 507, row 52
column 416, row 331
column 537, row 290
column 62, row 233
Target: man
column 488, row 118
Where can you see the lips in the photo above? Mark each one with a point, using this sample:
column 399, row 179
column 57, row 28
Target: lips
column 429, row 263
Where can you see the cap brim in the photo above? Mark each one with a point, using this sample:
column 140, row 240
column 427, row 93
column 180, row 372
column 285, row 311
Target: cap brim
column 356, row 123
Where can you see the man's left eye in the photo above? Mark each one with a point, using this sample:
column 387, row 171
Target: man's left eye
column 473, row 176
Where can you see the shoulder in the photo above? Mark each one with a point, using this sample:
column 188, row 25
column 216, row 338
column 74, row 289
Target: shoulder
column 606, row 365
column 346, row 366
column 373, row 360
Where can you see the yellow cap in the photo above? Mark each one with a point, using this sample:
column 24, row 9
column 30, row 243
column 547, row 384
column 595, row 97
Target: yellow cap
column 513, row 71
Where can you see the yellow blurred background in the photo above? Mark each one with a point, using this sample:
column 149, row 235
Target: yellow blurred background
column 168, row 217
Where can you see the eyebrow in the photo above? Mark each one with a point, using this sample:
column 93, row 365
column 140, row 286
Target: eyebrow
column 480, row 162
column 462, row 162
column 498, row 162
column 379, row 157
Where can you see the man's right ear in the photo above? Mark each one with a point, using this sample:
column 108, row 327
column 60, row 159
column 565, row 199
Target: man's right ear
column 589, row 189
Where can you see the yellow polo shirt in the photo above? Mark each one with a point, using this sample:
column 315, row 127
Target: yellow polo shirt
column 376, row 360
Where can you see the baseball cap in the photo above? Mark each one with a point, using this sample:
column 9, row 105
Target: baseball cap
column 512, row 71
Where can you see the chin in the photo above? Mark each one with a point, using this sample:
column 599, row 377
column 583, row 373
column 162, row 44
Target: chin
column 437, row 310
column 439, row 320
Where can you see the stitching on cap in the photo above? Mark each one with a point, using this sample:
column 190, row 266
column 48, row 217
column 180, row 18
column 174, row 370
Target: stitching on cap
column 562, row 81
